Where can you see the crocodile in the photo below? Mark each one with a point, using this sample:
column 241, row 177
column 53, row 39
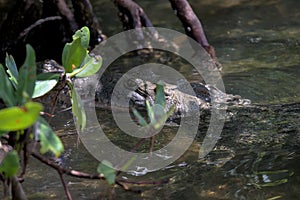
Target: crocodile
column 203, row 97
column 184, row 102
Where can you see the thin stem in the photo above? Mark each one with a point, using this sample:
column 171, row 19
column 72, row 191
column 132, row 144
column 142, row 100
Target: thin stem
column 25, row 151
column 151, row 144
column 67, row 191
column 73, row 173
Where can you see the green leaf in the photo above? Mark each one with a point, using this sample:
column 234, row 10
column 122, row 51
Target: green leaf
column 158, row 112
column 12, row 70
column 150, row 112
column 139, row 117
column 21, row 117
column 49, row 140
column 65, row 53
column 45, row 83
column 84, row 34
column 91, row 66
column 22, row 85
column 10, row 164
column 30, row 65
column 73, row 55
column 77, row 109
column 161, row 121
column 27, row 76
column 128, row 163
column 108, row 171
column 160, row 95
column 6, row 89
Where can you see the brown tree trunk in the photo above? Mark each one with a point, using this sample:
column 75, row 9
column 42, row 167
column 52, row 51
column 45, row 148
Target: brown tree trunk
column 17, row 189
column 133, row 17
column 193, row 26
column 46, row 25
column 85, row 16
column 67, row 14
column 22, row 15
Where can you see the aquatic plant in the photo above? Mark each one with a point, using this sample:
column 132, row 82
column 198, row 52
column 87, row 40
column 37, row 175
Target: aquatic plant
column 22, row 123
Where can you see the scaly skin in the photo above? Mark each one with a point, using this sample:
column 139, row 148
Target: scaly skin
column 184, row 103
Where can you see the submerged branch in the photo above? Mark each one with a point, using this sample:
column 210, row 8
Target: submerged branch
column 159, row 182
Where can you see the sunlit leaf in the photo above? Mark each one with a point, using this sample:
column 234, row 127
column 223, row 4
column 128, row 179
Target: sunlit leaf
column 73, row 55
column 108, row 171
column 91, row 66
column 275, row 197
column 19, row 117
column 12, row 69
column 10, row 164
column 77, row 109
column 27, row 76
column 84, row 34
column 44, row 83
column 6, row 89
column 160, row 95
column 50, row 142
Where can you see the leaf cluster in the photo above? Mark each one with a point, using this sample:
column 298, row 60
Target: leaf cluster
column 19, row 88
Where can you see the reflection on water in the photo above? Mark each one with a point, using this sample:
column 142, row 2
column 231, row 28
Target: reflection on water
column 266, row 85
column 258, row 154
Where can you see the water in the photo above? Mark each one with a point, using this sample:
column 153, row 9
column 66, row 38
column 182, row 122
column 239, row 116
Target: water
column 257, row 157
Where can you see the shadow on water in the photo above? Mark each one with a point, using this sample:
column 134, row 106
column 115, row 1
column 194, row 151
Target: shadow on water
column 257, row 156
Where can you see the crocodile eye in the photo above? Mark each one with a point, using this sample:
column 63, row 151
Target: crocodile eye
column 131, row 84
column 208, row 99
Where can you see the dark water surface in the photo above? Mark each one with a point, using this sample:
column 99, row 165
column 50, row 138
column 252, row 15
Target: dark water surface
column 258, row 154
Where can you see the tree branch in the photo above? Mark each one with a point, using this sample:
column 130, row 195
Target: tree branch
column 79, row 174
column 73, row 173
column 37, row 23
column 17, row 190
column 67, row 191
